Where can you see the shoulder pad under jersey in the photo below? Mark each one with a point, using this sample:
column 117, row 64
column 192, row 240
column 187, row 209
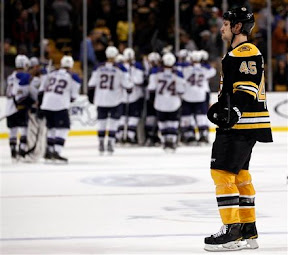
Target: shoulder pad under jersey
column 245, row 50
column 24, row 78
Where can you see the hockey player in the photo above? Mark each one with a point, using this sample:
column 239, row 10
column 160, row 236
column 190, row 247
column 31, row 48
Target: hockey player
column 59, row 89
column 151, row 128
column 194, row 107
column 18, row 103
column 133, row 102
column 106, row 87
column 168, row 85
column 182, row 59
column 243, row 119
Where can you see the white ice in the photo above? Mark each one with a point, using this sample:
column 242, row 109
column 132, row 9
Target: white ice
column 138, row 201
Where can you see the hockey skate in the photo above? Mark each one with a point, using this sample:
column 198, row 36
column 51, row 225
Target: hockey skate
column 48, row 156
column 249, row 236
column 227, row 239
column 203, row 140
column 169, row 146
column 58, row 158
column 110, row 147
column 101, row 147
column 14, row 154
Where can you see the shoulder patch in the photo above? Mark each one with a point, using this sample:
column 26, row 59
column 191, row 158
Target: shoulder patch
column 24, row 78
column 245, row 50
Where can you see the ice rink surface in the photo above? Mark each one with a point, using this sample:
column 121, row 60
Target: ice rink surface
column 138, row 201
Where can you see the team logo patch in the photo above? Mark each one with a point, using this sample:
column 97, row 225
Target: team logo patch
column 245, row 48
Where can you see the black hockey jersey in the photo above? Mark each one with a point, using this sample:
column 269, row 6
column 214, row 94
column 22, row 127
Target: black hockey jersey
column 243, row 72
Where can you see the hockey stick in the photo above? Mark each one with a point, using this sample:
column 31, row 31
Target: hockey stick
column 3, row 117
column 228, row 105
column 125, row 134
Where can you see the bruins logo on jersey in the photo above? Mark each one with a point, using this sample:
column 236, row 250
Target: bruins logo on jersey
column 244, row 48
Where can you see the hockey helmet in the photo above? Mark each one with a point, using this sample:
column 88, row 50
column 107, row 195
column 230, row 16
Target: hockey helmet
column 240, row 15
column 168, row 59
column 182, row 53
column 34, row 61
column 22, row 61
column 67, row 61
column 196, row 56
column 119, row 58
column 154, row 57
column 129, row 54
column 111, row 52
column 204, row 54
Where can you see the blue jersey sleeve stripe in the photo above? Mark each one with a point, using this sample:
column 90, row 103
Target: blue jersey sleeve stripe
column 76, row 78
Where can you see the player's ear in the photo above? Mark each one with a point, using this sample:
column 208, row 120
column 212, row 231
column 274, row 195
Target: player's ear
column 237, row 28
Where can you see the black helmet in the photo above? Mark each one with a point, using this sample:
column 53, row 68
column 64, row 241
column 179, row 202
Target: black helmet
column 242, row 15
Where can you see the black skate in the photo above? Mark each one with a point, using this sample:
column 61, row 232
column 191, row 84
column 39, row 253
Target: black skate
column 22, row 153
column 48, row 156
column 101, row 147
column 59, row 158
column 110, row 147
column 169, row 146
column 249, row 235
column 227, row 239
column 14, row 154
column 131, row 141
column 203, row 140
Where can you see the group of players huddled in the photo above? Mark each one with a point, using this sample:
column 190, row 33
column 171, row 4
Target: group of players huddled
column 172, row 96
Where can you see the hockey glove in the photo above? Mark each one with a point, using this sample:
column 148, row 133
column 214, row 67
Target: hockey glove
column 224, row 118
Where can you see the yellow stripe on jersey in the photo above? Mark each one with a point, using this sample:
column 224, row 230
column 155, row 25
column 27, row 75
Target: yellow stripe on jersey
column 246, row 86
column 245, row 50
column 252, row 126
column 255, row 114
column 238, row 83
column 246, row 91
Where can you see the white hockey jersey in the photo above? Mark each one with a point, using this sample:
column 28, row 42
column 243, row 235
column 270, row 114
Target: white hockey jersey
column 10, row 105
column 59, row 88
column 136, row 73
column 197, row 82
column 110, row 81
column 168, row 85
column 20, row 90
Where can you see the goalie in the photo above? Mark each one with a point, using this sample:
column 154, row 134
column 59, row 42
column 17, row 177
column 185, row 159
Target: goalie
column 243, row 119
